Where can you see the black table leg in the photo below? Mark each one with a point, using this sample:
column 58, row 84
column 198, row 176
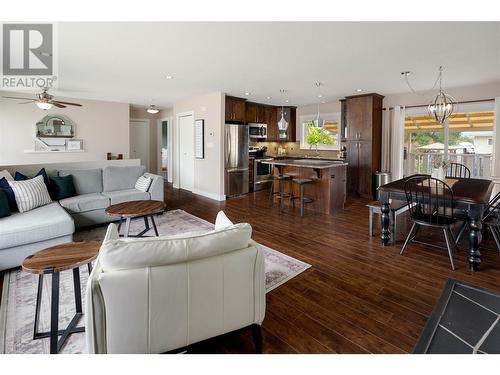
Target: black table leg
column 54, row 314
column 78, row 290
column 120, row 224
column 89, row 267
column 154, row 226
column 385, row 235
column 37, row 306
column 475, row 238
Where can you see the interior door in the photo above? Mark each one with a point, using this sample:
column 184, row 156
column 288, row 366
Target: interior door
column 186, row 152
column 139, row 141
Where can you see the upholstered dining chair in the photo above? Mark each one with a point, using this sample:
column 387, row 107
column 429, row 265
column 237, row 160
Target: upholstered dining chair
column 430, row 202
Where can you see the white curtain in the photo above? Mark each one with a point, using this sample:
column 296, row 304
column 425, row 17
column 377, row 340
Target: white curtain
column 495, row 170
column 397, row 142
column 386, row 141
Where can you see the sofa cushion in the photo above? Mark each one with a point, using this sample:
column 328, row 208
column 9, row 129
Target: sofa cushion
column 127, row 195
column 40, row 224
column 121, row 178
column 85, row 202
column 62, row 187
column 85, row 180
column 127, row 253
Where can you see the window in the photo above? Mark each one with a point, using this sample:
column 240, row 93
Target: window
column 326, row 138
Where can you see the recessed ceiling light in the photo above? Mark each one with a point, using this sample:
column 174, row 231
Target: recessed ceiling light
column 169, row 77
column 247, row 93
column 286, row 101
column 323, row 102
column 320, row 96
column 359, row 90
column 268, row 97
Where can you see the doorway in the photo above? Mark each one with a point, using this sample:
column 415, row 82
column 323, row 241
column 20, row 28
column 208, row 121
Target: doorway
column 185, row 124
column 164, row 149
column 139, row 141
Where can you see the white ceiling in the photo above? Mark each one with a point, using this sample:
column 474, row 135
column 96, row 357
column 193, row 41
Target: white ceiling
column 128, row 62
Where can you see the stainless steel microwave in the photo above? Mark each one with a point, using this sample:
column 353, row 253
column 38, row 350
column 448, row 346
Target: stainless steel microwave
column 257, row 130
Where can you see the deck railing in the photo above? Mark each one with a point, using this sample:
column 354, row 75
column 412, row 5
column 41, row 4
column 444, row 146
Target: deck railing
column 420, row 162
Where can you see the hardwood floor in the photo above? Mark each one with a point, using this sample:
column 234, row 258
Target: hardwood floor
column 358, row 297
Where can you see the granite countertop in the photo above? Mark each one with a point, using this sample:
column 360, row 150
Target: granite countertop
column 308, row 163
column 313, row 157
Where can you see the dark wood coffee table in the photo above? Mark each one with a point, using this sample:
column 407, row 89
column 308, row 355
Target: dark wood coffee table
column 136, row 209
column 53, row 260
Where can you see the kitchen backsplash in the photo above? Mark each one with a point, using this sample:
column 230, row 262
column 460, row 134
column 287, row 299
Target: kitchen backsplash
column 292, row 148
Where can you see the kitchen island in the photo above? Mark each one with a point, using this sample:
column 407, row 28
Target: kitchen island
column 328, row 188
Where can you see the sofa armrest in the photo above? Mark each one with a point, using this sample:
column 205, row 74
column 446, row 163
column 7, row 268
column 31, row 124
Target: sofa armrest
column 156, row 188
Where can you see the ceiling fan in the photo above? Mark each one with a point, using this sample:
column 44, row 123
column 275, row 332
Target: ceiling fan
column 45, row 101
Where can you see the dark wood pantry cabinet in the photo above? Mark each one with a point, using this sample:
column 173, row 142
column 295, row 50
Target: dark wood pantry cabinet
column 363, row 134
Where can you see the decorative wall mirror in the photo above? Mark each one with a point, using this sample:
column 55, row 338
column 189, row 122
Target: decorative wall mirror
column 53, row 133
column 55, row 126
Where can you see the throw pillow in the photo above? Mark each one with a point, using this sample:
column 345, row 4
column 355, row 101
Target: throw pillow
column 9, row 193
column 21, row 177
column 143, row 183
column 62, row 187
column 4, row 205
column 5, row 173
column 222, row 221
column 30, row 193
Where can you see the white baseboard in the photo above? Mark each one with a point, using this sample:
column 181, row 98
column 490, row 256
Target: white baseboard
column 213, row 196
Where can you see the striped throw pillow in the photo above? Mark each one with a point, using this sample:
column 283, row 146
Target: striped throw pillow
column 30, row 193
column 143, row 183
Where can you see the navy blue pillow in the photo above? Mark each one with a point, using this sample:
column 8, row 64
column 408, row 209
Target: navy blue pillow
column 21, row 177
column 9, row 193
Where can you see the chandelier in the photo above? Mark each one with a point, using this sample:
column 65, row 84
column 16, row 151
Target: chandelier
column 443, row 105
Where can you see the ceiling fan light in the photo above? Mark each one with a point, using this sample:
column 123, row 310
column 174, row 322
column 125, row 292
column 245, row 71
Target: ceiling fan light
column 44, row 105
column 152, row 109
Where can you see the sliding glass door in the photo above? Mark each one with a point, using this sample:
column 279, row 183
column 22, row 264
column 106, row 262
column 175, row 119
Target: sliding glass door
column 466, row 138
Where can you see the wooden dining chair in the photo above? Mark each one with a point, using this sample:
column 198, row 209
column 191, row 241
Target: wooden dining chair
column 491, row 219
column 457, row 170
column 430, row 202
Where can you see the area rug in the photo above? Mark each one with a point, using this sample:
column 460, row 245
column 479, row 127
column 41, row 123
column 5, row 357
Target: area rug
column 18, row 297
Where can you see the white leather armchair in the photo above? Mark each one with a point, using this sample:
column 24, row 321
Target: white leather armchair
column 154, row 295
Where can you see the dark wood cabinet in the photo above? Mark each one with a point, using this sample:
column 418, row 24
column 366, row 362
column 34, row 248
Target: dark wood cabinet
column 235, row 109
column 363, row 120
column 272, row 124
column 240, row 110
column 254, row 113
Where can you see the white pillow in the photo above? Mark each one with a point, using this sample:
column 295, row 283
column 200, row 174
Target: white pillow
column 222, row 221
column 5, row 173
column 30, row 193
column 143, row 183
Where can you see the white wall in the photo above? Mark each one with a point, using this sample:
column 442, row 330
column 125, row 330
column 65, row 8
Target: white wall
column 103, row 126
column 208, row 172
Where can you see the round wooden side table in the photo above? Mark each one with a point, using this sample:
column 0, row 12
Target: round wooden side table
column 53, row 260
column 136, row 209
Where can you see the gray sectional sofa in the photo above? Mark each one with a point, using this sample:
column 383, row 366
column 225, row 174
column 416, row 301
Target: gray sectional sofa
column 22, row 234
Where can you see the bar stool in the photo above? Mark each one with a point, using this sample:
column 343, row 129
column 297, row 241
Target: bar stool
column 302, row 182
column 281, row 193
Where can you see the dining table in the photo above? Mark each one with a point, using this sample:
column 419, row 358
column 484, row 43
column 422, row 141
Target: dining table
column 470, row 195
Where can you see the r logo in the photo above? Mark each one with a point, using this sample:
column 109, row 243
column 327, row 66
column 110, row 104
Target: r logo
column 27, row 49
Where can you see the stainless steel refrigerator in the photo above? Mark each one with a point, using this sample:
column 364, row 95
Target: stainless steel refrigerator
column 236, row 159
